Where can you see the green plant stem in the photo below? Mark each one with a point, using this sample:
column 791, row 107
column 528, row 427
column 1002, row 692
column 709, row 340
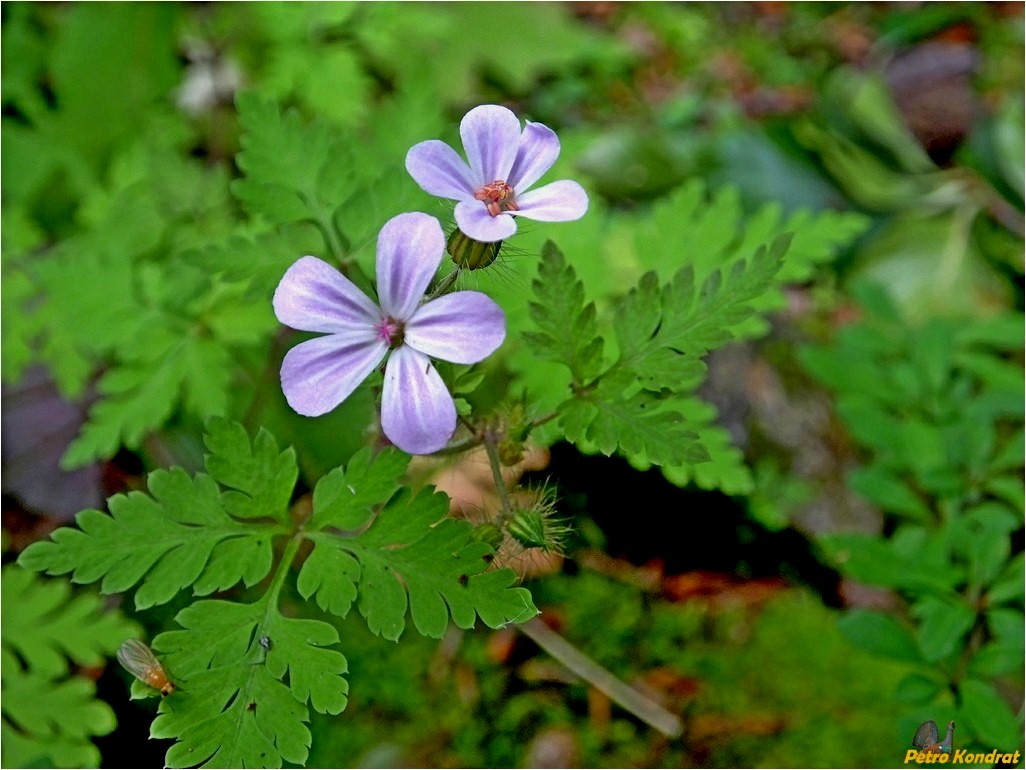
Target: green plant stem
column 506, row 510
column 477, row 440
column 337, row 244
column 287, row 556
column 955, row 247
column 559, row 648
column 332, row 238
column 444, row 285
column 538, row 422
column 460, row 446
column 643, row 708
column 270, row 598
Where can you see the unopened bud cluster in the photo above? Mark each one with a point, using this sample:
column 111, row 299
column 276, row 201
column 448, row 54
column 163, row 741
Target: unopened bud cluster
column 515, row 429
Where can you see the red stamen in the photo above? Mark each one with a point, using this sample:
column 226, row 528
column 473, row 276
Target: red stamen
column 497, row 197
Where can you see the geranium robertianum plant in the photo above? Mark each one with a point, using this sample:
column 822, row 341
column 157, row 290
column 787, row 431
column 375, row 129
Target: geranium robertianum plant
column 246, row 671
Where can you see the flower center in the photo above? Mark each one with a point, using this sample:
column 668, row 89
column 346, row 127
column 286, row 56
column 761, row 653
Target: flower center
column 497, row 197
column 390, row 330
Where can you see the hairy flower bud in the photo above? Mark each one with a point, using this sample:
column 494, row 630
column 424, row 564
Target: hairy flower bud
column 470, row 254
column 527, row 527
column 535, row 525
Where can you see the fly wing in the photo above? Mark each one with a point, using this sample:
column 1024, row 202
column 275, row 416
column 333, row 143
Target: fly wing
column 137, row 658
column 926, row 734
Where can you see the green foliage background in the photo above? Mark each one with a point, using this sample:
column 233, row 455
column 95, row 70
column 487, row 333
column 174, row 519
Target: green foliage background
column 146, row 222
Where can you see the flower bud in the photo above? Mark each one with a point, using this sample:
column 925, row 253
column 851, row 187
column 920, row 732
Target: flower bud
column 527, row 527
column 516, row 430
column 534, row 525
column 510, row 452
column 470, row 254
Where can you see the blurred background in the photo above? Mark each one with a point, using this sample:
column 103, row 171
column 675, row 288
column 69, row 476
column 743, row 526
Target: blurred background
column 838, row 577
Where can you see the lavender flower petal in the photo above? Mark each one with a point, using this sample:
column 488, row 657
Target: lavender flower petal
column 439, row 169
column 538, row 150
column 490, row 136
column 464, row 327
column 559, row 201
column 315, row 297
column 410, row 248
column 319, row 374
column 473, row 219
column 417, row 413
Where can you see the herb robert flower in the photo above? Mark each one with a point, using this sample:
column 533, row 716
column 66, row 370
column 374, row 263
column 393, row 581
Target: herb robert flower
column 495, row 186
column 417, row 412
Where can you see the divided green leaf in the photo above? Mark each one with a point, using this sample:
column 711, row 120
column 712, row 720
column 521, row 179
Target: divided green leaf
column 245, row 674
column 50, row 717
column 45, row 625
column 661, row 334
column 640, row 426
column 49, row 723
column 345, row 499
column 230, row 707
column 183, row 532
column 259, row 478
column 293, row 170
column 568, row 329
column 410, row 555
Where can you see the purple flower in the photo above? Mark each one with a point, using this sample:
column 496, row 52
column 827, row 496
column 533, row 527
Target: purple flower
column 417, row 413
column 503, row 164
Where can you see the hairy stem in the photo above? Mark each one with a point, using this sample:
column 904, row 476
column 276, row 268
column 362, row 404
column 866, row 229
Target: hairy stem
column 460, row 446
column 337, row 243
column 559, row 648
column 539, row 421
column 444, row 285
column 506, row 510
column 601, row 679
column 333, row 239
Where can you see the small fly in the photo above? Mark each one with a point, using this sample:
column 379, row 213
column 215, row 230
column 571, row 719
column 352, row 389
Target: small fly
column 139, row 660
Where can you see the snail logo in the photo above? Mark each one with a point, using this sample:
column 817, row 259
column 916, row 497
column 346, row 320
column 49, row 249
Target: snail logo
column 930, row 750
column 926, row 738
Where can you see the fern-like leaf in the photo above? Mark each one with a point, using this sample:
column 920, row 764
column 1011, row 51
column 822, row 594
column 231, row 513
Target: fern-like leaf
column 183, row 532
column 49, row 717
column 411, row 555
